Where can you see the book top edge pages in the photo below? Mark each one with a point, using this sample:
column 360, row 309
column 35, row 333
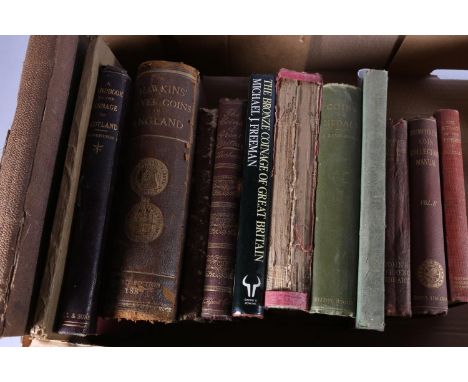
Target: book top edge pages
column 299, row 76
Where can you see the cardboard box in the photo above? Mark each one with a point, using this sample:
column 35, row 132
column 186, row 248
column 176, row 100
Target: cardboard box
column 225, row 61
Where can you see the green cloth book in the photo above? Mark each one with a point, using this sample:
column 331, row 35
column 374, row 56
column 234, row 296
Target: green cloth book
column 370, row 311
column 337, row 203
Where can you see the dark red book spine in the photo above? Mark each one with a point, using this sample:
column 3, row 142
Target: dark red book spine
column 397, row 232
column 193, row 271
column 453, row 195
column 224, row 214
column 428, row 271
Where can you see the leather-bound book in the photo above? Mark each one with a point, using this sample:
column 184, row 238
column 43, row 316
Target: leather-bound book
column 397, row 232
column 370, row 305
column 289, row 274
column 30, row 168
column 255, row 204
column 334, row 282
column 77, row 314
column 144, row 260
column 428, row 271
column 194, row 262
column 453, row 197
column 224, row 221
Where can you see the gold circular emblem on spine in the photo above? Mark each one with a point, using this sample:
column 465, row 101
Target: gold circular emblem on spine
column 149, row 177
column 431, row 274
column 144, row 222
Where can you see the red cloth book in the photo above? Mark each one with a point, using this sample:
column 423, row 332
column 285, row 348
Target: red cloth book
column 453, row 199
column 428, row 270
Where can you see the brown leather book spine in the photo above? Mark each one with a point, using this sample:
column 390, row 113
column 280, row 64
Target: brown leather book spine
column 428, row 271
column 222, row 235
column 453, row 195
column 144, row 262
column 193, row 269
column 397, row 232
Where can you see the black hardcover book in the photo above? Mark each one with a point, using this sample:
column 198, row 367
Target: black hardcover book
column 77, row 313
column 255, row 205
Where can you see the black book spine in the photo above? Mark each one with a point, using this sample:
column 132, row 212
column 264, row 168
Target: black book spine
column 255, row 205
column 77, row 313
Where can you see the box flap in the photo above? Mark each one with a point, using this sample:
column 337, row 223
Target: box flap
column 244, row 55
column 422, row 54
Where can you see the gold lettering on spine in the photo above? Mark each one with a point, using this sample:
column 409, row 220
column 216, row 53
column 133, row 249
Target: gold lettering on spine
column 155, row 96
column 104, row 104
column 110, row 91
column 426, row 147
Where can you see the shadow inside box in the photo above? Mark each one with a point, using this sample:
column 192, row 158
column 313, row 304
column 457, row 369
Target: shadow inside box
column 290, row 328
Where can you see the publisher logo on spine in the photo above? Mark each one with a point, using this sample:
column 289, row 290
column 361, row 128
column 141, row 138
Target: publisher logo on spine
column 251, row 288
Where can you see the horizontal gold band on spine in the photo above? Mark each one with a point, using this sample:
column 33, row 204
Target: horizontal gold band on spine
column 220, row 246
column 229, row 166
column 218, row 288
column 84, row 323
column 150, row 274
column 224, row 204
column 214, row 311
column 229, row 148
column 130, row 303
column 74, row 326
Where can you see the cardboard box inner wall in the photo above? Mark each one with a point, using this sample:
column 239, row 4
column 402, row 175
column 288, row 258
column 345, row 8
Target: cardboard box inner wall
column 225, row 61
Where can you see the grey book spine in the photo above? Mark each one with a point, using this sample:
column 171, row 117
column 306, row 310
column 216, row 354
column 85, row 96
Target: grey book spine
column 370, row 310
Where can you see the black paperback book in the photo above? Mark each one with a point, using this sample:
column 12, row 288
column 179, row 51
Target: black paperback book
column 255, row 204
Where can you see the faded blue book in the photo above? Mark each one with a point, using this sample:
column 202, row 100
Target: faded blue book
column 370, row 310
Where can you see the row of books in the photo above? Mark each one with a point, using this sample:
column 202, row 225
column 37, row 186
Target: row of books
column 299, row 197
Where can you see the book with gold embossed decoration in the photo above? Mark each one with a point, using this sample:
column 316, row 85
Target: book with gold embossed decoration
column 144, row 260
column 77, row 313
column 224, row 221
column 428, row 270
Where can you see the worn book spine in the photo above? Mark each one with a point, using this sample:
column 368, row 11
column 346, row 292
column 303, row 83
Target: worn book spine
column 224, row 222
column 453, row 196
column 255, row 204
column 27, row 171
column 428, row 271
column 193, row 270
column 77, row 314
column 370, row 307
column 397, row 232
column 334, row 281
column 147, row 245
column 97, row 54
column 289, row 273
